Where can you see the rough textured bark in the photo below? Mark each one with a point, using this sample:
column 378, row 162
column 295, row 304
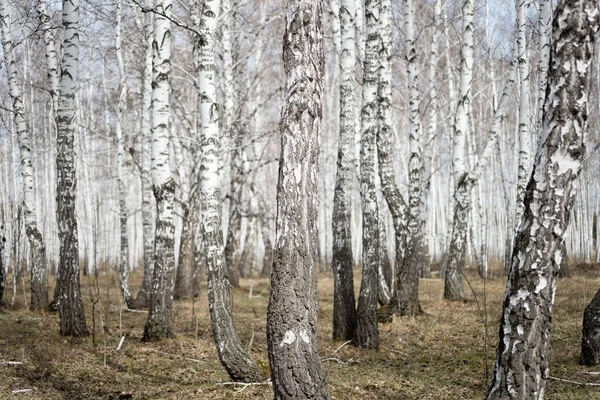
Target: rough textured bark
column 70, row 306
column 143, row 298
column 367, row 333
column 232, row 355
column 296, row 369
column 522, row 361
column 123, row 213
column 344, row 305
column 159, row 324
column 590, row 335
column 37, row 265
column 184, row 281
column 2, row 267
column 453, row 286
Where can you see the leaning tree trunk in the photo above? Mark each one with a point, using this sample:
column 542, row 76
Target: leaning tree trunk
column 143, row 298
column 296, row 369
column 159, row 324
column 453, row 285
column 590, row 335
column 2, row 268
column 122, row 93
column 39, row 288
column 344, row 305
column 367, row 333
column 70, row 306
column 232, row 355
column 521, row 367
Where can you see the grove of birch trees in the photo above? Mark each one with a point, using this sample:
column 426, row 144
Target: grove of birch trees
column 375, row 143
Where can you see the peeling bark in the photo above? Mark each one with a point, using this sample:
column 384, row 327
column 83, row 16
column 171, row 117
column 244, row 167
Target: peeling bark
column 296, row 370
column 521, row 367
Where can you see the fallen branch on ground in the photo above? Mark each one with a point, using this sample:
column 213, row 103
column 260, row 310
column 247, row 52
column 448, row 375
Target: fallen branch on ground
column 575, row 382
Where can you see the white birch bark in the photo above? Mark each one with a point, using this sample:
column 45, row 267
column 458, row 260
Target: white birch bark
column 344, row 311
column 521, row 367
column 70, row 306
column 143, row 297
column 39, row 289
column 122, row 91
column 545, row 17
column 159, row 324
column 524, row 133
column 367, row 334
column 51, row 56
column 232, row 355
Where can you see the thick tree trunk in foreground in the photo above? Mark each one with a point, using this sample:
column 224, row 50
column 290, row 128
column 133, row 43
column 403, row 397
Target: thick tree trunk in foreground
column 367, row 333
column 232, row 355
column 296, row 369
column 39, row 288
column 522, row 356
column 70, row 306
column 160, row 315
column 344, row 305
column 590, row 335
column 143, row 298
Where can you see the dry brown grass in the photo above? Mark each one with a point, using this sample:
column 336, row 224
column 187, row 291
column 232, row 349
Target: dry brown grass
column 437, row 356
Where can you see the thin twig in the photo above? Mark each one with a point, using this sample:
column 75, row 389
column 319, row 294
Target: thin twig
column 244, row 384
column 340, row 361
column 342, row 345
column 128, row 309
column 11, row 363
column 574, row 382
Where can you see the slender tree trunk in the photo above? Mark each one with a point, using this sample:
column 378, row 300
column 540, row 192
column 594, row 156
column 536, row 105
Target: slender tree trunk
column 232, row 355
column 143, row 298
column 344, row 305
column 268, row 255
column 296, row 369
column 159, row 324
column 521, row 367
column 453, row 287
column 122, row 93
column 524, row 132
column 2, row 267
column 70, row 306
column 184, row 281
column 410, row 269
column 51, row 57
column 39, row 288
column 367, row 333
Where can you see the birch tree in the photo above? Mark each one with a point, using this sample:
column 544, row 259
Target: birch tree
column 453, row 288
column 344, row 305
column 232, row 355
column 521, row 368
column 296, row 370
column 410, row 269
column 70, row 306
column 159, row 324
column 2, row 267
column 122, row 93
column 367, row 333
column 39, row 289
column 524, row 134
column 51, row 57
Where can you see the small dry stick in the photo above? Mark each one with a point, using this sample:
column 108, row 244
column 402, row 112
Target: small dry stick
column 342, row 345
column 575, row 382
column 11, row 363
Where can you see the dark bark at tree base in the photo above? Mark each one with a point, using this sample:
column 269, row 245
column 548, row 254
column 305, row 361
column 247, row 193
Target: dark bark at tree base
column 344, row 305
column 590, row 336
column 39, row 286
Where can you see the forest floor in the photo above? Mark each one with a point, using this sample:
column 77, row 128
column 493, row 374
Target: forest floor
column 440, row 355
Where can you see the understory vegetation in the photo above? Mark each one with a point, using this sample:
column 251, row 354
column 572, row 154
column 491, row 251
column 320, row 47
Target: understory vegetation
column 439, row 355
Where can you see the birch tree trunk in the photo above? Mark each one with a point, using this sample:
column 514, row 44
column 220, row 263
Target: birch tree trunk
column 524, row 134
column 453, row 286
column 296, row 369
column 2, row 267
column 590, row 335
column 367, row 333
column 232, row 355
column 410, row 269
column 51, row 57
column 159, row 324
column 143, row 298
column 344, row 305
column 70, row 306
column 39, row 288
column 522, row 361
column 122, row 92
